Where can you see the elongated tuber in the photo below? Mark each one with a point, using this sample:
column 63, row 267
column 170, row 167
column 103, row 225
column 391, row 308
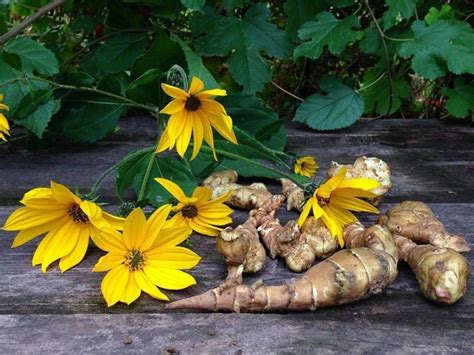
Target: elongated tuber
column 442, row 273
column 367, row 167
column 294, row 195
column 244, row 197
column 346, row 276
column 415, row 220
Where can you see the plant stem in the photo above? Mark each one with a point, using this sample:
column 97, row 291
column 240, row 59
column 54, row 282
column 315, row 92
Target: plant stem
column 398, row 39
column 286, row 91
column 372, row 83
column 146, row 177
column 30, row 19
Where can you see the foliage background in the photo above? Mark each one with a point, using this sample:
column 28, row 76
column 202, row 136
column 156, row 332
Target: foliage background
column 324, row 63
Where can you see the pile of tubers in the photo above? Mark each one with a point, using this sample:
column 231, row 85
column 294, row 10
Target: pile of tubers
column 409, row 232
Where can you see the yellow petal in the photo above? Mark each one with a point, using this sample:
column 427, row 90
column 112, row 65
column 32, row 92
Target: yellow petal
column 171, row 237
column 108, row 239
column 64, row 240
column 173, row 189
column 132, row 291
column 360, row 183
column 63, row 194
column 28, row 234
column 218, row 200
column 164, row 142
column 114, row 284
column 305, row 213
column 168, row 278
column 147, row 286
column 208, row 135
column 173, row 91
column 212, row 107
column 202, row 194
column 204, row 229
column 154, row 225
column 220, row 126
column 182, row 142
column 353, row 193
column 195, row 86
column 325, row 189
column 77, row 253
column 317, row 211
column 172, row 258
column 94, row 213
column 109, row 261
column 134, row 229
column 198, row 135
column 25, row 218
column 212, row 92
column 173, row 107
column 175, row 126
column 353, row 204
column 114, row 221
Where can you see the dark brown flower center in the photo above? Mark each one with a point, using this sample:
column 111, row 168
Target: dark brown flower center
column 192, row 103
column 323, row 201
column 189, row 211
column 77, row 214
column 135, row 260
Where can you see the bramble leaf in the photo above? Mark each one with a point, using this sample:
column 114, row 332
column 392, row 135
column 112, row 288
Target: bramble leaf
column 299, row 12
column 447, row 44
column 326, row 31
column 460, row 99
column 397, row 9
column 445, row 13
column 38, row 120
column 195, row 5
column 339, row 108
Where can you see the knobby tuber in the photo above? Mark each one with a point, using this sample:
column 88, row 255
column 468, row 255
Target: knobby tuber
column 442, row 273
column 294, row 195
column 346, row 276
column 367, row 167
column 415, row 220
column 243, row 197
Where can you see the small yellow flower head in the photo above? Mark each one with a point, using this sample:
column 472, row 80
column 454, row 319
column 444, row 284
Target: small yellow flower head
column 199, row 212
column 4, row 126
column 145, row 256
column 334, row 200
column 306, row 166
column 67, row 221
column 194, row 113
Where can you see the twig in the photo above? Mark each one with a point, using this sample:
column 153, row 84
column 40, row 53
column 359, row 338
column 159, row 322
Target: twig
column 29, row 20
column 286, row 91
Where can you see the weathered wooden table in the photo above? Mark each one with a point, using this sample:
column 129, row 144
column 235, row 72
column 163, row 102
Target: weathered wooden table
column 65, row 313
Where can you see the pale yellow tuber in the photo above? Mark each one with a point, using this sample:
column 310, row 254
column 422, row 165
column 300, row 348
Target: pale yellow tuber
column 294, row 195
column 415, row 220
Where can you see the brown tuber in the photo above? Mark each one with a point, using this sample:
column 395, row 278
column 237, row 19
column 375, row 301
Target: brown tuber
column 346, row 276
column 442, row 273
column 244, row 197
column 415, row 220
column 294, row 195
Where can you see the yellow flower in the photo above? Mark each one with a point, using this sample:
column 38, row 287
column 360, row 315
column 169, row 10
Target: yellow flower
column 67, row 221
column 333, row 201
column 306, row 166
column 146, row 255
column 199, row 212
column 194, row 113
column 4, row 126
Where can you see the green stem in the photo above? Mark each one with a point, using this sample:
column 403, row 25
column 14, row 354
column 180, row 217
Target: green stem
column 398, row 39
column 146, row 177
column 372, row 83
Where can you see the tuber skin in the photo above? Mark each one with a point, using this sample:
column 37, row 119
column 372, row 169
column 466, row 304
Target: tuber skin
column 367, row 167
column 415, row 220
column 294, row 195
column 346, row 276
column 441, row 273
column 243, row 197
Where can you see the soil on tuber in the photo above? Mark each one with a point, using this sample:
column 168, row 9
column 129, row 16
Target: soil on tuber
column 415, row 220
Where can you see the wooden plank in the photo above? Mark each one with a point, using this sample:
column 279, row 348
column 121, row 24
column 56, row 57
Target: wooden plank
column 25, row 290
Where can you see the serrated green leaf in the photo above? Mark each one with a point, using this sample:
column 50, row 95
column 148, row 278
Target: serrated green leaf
column 38, row 120
column 195, row 5
column 299, row 12
column 131, row 175
column 339, row 108
column 443, row 45
column 445, row 13
column 326, row 31
column 460, row 100
column 146, row 88
column 90, row 122
column 31, row 101
column 340, row 3
column 377, row 97
column 34, row 56
column 115, row 55
column 231, row 5
column 245, row 38
column 397, row 9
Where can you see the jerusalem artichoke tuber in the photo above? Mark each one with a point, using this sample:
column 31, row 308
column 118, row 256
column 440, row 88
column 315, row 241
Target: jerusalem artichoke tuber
column 442, row 273
column 294, row 195
column 346, row 276
column 415, row 220
column 244, row 197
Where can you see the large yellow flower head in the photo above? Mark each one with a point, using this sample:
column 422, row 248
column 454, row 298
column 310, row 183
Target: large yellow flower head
column 334, row 200
column 4, row 126
column 194, row 113
column 306, row 166
column 199, row 212
column 146, row 255
column 67, row 221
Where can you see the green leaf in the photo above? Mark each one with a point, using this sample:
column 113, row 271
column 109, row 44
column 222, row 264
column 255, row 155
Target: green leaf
column 115, row 55
column 340, row 3
column 195, row 5
column 34, row 56
column 245, row 38
column 397, row 9
column 377, row 97
column 146, row 89
column 231, row 5
column 445, row 13
column 195, row 65
column 460, row 99
column 38, row 120
column 443, row 45
column 340, row 108
column 326, row 31
column 90, row 122
column 299, row 12
column 131, row 174
column 31, row 101
column 251, row 115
